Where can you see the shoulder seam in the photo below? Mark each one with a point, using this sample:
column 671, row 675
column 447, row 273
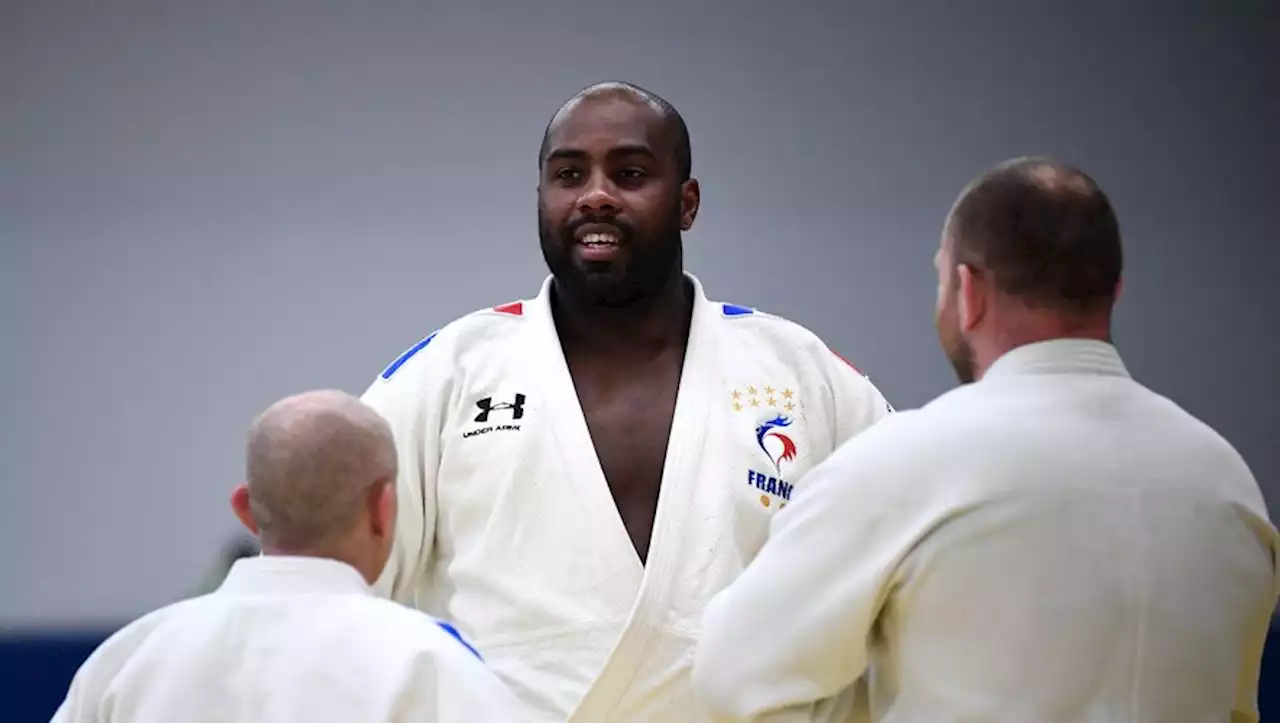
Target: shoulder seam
column 453, row 632
column 733, row 311
column 406, row 355
column 508, row 309
column 730, row 310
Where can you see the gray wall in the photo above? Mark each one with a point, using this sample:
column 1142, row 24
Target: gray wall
column 207, row 205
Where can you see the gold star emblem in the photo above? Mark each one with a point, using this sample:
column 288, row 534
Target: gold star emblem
column 736, row 394
column 737, row 407
column 768, row 390
column 751, row 390
column 755, row 402
column 772, row 402
column 786, row 393
column 788, row 406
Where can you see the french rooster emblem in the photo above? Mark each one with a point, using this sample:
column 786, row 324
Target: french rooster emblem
column 771, row 428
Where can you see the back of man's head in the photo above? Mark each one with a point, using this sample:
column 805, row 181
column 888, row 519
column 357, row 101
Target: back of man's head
column 1044, row 232
column 321, row 469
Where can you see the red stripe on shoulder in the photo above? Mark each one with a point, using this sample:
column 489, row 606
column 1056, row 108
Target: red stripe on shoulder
column 515, row 308
column 846, row 361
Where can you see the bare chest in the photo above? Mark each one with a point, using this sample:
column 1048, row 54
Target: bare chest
column 629, row 420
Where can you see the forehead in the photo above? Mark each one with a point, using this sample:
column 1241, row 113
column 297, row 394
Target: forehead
column 598, row 124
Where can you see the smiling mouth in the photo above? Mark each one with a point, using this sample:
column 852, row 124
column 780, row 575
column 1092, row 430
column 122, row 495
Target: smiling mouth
column 599, row 239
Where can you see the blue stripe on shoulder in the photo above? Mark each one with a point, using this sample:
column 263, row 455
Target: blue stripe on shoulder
column 386, row 373
column 735, row 310
column 458, row 636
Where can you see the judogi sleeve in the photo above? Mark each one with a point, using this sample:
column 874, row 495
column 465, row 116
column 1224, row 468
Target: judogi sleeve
column 1245, row 709
column 410, row 395
column 792, row 630
column 858, row 402
column 94, row 676
column 73, row 709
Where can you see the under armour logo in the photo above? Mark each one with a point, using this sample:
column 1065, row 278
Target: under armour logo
column 486, row 405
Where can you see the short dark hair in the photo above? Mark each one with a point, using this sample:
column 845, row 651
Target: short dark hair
column 674, row 121
column 1043, row 230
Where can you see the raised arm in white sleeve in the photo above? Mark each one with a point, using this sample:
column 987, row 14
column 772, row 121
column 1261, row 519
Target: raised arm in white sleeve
column 410, row 394
column 792, row 630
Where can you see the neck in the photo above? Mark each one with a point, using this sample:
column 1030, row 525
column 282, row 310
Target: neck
column 655, row 323
column 336, row 551
column 1039, row 328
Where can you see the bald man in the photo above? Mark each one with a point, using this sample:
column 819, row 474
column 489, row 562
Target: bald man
column 1051, row 541
column 297, row 634
column 583, row 469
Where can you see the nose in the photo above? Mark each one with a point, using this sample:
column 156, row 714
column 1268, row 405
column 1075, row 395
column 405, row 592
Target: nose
column 599, row 196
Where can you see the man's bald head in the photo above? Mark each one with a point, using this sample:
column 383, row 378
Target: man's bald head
column 312, row 460
column 677, row 131
column 1043, row 231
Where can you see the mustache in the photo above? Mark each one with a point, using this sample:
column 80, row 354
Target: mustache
column 625, row 230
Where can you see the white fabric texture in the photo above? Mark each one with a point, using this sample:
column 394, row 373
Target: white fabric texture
column 508, row 527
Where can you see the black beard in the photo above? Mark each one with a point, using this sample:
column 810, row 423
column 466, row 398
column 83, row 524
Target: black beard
column 652, row 264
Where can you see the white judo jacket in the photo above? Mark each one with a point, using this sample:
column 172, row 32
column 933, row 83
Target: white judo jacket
column 1055, row 543
column 287, row 640
column 508, row 528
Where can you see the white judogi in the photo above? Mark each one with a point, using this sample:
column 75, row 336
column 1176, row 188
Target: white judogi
column 508, row 526
column 286, row 640
column 1053, row 543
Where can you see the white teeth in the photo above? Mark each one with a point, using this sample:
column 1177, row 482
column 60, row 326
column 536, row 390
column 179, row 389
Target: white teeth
column 600, row 238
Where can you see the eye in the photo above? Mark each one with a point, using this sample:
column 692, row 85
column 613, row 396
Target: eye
column 633, row 173
column 567, row 174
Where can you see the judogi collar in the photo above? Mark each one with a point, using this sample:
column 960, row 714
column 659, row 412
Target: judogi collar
column 543, row 300
column 1060, row 356
column 281, row 574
